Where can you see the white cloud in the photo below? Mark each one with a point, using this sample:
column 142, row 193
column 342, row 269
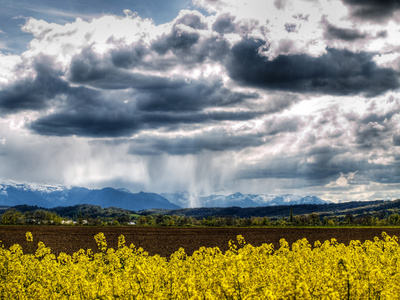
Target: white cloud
column 8, row 65
column 388, row 60
column 268, row 21
column 298, row 27
column 344, row 179
column 101, row 35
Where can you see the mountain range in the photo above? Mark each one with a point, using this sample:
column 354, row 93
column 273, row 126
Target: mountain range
column 53, row 196
column 186, row 200
column 12, row 194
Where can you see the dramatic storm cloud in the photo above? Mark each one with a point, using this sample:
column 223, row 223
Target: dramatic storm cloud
column 338, row 72
column 252, row 96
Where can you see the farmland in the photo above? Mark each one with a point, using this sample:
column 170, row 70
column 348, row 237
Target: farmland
column 366, row 268
column 166, row 240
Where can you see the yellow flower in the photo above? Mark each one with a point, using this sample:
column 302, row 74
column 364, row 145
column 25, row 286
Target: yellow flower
column 29, row 236
column 328, row 270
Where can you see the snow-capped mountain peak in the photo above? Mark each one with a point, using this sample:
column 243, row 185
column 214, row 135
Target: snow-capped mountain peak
column 242, row 200
column 44, row 188
column 45, row 195
column 12, row 194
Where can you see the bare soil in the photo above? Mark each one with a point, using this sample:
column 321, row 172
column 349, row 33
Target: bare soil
column 166, row 240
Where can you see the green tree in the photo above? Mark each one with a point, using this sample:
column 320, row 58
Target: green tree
column 313, row 219
column 80, row 218
column 349, row 219
column 39, row 216
column 328, row 221
column 265, row 222
column 124, row 219
column 142, row 221
column 11, row 217
column 394, row 219
column 291, row 215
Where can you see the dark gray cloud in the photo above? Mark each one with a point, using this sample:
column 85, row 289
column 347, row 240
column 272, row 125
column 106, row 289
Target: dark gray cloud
column 130, row 56
column 382, row 34
column 338, row 72
column 317, row 165
column 278, row 167
column 374, row 132
column 396, row 139
column 174, row 119
column 30, row 94
column 217, row 140
column 373, row 117
column 85, row 124
column 153, row 104
column 382, row 173
column 113, row 78
column 289, row 168
column 290, row 27
column 224, row 24
column 280, row 4
column 33, row 94
column 376, row 10
column 85, row 112
column 108, row 119
column 189, row 46
column 371, row 136
column 191, row 97
column 345, row 34
column 90, row 69
column 154, row 93
column 180, row 40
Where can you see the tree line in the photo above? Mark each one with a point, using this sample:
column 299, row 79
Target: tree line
column 312, row 219
column 97, row 216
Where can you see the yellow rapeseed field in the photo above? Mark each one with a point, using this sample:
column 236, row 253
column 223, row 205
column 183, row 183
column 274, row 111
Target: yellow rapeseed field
column 329, row 270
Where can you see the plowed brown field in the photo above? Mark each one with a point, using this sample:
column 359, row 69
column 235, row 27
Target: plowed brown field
column 166, row 240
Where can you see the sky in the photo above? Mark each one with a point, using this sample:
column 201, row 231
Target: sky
column 256, row 96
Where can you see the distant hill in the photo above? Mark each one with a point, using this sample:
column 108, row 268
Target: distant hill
column 360, row 209
column 12, row 194
column 331, row 209
column 86, row 210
